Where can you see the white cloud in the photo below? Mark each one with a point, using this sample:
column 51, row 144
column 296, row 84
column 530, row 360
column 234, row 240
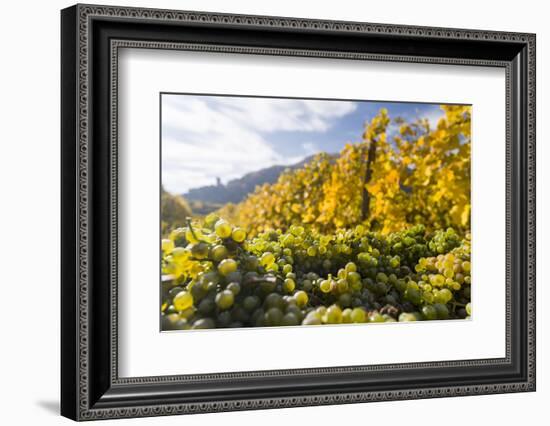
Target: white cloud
column 309, row 148
column 205, row 137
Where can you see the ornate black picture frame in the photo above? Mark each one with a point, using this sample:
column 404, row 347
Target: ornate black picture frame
column 91, row 37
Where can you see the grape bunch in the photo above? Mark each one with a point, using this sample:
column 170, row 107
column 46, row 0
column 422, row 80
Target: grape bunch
column 213, row 276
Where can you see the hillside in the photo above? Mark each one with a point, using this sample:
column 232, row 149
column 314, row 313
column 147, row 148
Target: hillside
column 236, row 190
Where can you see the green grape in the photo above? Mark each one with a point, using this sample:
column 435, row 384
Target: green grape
column 235, row 277
column 296, row 230
column 358, row 315
column 342, row 285
column 187, row 313
column 353, row 277
column 198, row 290
column 408, row 241
column 252, row 263
column 234, row 287
column 407, row 317
column 227, row 266
column 290, row 319
column 401, row 285
column 250, row 303
column 469, row 309
column 273, row 317
column 442, row 310
column 445, row 295
column 413, row 295
column 170, row 310
column 376, row 317
column 272, row 268
column 326, row 286
column 418, row 316
column 199, row 250
column 346, row 316
column 333, row 315
column 312, row 319
column 287, row 269
column 224, row 319
column 238, row 235
column 307, row 285
column 268, row 286
column 356, row 285
column 258, row 318
column 437, row 280
column 210, row 220
column 173, row 291
column 274, row 300
column 267, row 259
column 395, row 262
column 344, row 300
column 428, row 296
column 380, row 288
column 218, row 253
column 225, row 299
column 289, row 285
column 429, row 312
column 210, row 277
column 311, row 251
column 382, row 277
column 206, row 306
column 178, row 253
column 301, row 298
column 223, row 229
column 170, row 321
column 351, row 267
column 183, row 300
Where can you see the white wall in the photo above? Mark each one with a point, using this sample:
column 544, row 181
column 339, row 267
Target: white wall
column 29, row 225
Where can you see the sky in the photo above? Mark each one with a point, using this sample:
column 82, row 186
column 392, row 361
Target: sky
column 204, row 137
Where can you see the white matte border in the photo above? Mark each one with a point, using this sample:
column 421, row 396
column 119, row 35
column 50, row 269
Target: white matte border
column 144, row 351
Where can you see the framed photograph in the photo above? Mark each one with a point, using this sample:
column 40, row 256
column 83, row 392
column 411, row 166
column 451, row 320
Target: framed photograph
column 263, row 212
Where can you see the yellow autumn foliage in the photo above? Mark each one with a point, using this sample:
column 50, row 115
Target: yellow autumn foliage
column 419, row 174
column 174, row 211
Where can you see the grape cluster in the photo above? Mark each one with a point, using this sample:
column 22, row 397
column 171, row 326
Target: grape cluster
column 214, row 277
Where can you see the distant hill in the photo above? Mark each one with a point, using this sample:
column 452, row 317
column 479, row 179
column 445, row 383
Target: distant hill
column 174, row 211
column 236, row 190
